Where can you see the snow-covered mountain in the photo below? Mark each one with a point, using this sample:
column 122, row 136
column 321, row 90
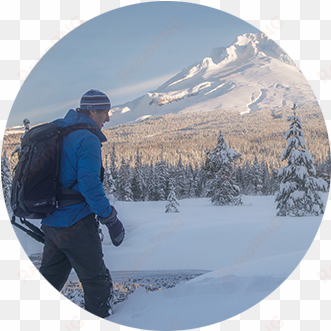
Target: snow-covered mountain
column 252, row 73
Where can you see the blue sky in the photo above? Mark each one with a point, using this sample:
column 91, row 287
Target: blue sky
column 125, row 53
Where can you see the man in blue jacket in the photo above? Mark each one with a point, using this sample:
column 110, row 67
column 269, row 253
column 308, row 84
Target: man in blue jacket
column 71, row 233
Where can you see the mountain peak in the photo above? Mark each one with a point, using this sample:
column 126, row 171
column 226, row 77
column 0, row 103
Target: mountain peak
column 250, row 74
column 247, row 46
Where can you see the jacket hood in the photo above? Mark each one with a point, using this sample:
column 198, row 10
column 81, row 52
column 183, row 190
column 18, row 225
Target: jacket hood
column 73, row 118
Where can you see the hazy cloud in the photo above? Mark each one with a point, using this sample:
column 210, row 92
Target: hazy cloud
column 139, row 88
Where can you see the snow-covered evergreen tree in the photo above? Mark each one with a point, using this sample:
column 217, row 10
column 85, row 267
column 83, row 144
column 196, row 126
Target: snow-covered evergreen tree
column 239, row 177
column 189, row 179
column 248, row 179
column 299, row 193
column 145, row 174
column 274, row 181
column 327, row 168
column 108, row 185
column 257, row 177
column 6, row 179
column 114, row 170
column 138, row 182
column 266, row 189
column 222, row 187
column 324, row 168
column 172, row 205
column 162, row 180
column 150, row 177
column 180, row 180
column 204, row 176
column 197, row 182
column 124, row 190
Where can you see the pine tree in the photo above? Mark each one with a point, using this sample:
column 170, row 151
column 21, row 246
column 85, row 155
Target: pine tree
column 189, row 191
column 162, row 180
column 239, row 177
column 324, row 169
column 266, row 189
column 138, row 182
column 274, row 181
column 150, row 177
column 257, row 177
column 180, row 180
column 114, row 170
column 108, row 185
column 248, row 180
column 197, row 182
column 124, row 182
column 6, row 181
column 145, row 174
column 172, row 205
column 205, row 173
column 222, row 187
column 299, row 188
column 327, row 169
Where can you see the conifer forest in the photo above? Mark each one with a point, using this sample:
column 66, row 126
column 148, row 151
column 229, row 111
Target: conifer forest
column 172, row 153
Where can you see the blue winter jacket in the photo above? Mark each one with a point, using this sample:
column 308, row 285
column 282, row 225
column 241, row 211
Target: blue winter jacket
column 81, row 160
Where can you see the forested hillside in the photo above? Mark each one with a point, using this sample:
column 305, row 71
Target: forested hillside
column 190, row 135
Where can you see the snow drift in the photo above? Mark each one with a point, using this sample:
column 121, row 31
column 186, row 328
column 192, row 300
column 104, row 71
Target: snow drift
column 244, row 253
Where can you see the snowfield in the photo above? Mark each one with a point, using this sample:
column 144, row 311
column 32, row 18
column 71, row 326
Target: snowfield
column 244, row 253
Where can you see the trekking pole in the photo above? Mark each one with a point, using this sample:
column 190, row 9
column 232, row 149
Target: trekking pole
column 32, row 227
column 32, row 234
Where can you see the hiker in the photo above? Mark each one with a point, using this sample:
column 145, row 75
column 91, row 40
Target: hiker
column 72, row 232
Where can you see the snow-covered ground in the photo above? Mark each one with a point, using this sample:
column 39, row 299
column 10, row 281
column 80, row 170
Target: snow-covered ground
column 245, row 253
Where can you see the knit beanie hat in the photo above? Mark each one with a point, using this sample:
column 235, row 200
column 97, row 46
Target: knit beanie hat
column 94, row 99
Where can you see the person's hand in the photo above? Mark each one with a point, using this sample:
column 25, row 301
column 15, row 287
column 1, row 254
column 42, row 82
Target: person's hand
column 115, row 227
column 116, row 232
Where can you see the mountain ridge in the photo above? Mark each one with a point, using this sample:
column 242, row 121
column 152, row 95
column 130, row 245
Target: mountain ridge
column 250, row 74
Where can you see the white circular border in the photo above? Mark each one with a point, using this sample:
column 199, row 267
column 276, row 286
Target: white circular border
column 315, row 69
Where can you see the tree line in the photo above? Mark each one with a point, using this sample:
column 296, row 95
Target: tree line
column 134, row 181
column 190, row 135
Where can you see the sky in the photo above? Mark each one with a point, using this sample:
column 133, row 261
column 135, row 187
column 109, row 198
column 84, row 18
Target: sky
column 125, row 53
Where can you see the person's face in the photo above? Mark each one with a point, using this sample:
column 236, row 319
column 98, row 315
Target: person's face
column 100, row 117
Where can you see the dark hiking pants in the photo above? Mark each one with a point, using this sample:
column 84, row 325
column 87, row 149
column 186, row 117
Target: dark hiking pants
column 78, row 247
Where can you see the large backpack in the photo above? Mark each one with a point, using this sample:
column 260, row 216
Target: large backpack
column 36, row 192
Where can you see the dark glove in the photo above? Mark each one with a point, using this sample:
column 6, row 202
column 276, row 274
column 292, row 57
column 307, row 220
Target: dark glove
column 115, row 227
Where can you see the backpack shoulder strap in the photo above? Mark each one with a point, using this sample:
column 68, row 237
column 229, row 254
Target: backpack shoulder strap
column 80, row 126
column 73, row 184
